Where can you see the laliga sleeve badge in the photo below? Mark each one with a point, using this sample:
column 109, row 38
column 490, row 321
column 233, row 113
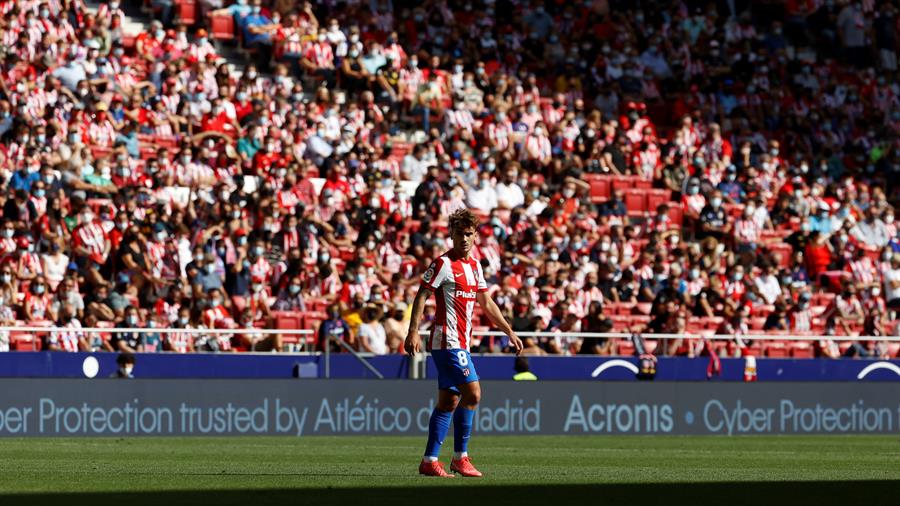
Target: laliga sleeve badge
column 429, row 275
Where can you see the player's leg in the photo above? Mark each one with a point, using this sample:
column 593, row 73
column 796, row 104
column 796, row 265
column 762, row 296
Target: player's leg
column 462, row 417
column 439, row 424
column 470, row 396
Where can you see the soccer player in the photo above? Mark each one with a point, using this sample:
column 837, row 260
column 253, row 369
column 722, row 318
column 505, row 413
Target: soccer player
column 458, row 283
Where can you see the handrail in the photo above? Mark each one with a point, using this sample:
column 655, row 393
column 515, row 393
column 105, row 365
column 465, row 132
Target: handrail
column 155, row 330
column 697, row 335
column 607, row 335
column 359, row 357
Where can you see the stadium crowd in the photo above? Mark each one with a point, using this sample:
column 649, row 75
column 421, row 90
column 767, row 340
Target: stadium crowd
column 659, row 167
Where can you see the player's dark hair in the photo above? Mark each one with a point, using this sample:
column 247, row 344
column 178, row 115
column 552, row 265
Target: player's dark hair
column 463, row 219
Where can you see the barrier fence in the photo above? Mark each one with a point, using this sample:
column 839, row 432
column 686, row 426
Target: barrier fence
column 424, row 332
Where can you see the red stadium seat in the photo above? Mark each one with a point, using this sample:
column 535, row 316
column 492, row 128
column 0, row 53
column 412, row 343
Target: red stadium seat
column 187, row 12
column 221, row 27
column 776, row 350
column 622, row 183
column 657, row 197
column 802, row 349
column 600, row 190
column 757, row 323
column 24, row 342
column 893, row 349
column 636, row 201
column 643, row 184
column 676, row 214
column 624, row 348
column 643, row 308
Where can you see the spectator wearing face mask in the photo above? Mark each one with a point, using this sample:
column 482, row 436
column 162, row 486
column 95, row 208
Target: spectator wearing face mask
column 181, row 342
column 125, row 362
column 713, row 220
column 130, row 342
column 69, row 338
column 38, row 304
column 335, row 327
column 290, row 297
column 372, row 335
column 255, row 341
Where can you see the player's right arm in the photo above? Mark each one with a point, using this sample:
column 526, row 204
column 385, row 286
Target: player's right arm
column 437, row 273
column 413, row 342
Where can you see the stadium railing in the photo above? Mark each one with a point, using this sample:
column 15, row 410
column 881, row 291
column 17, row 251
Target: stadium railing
column 776, row 344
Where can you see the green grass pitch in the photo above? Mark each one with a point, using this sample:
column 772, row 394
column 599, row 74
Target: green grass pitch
column 518, row 470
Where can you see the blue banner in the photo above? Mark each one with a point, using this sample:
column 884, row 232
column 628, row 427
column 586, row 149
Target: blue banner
column 200, row 365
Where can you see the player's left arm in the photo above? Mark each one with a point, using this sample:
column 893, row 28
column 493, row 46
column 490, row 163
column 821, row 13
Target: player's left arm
column 493, row 312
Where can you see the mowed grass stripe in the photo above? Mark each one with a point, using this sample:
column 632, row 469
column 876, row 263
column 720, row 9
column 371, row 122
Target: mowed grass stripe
column 159, row 464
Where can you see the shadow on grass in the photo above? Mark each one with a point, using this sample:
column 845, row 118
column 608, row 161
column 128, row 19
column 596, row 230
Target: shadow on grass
column 721, row 493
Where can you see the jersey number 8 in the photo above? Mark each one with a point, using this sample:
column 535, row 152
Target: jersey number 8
column 463, row 360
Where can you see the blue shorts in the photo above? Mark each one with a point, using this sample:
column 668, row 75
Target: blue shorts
column 454, row 367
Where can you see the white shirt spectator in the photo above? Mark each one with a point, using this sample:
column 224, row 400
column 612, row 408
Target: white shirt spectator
column 374, row 336
column 510, row 195
column 891, row 276
column 413, row 168
column 873, row 234
column 769, row 288
column 484, row 197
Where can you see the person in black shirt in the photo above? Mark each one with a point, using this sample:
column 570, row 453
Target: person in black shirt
column 713, row 219
column 778, row 320
column 615, row 206
column 595, row 322
column 127, row 342
column 523, row 320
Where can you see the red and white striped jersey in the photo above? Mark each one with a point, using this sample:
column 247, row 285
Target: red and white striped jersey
column 498, row 134
column 863, row 270
column 179, row 341
column 67, row 339
column 746, row 231
column 537, row 147
column 92, row 237
column 455, row 284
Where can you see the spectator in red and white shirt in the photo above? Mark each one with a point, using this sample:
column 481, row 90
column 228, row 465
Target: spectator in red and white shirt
column 38, row 305
column 318, row 58
column 91, row 245
column 69, row 338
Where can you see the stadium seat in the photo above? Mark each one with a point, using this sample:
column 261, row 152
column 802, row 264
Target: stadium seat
column 600, row 189
column 657, row 197
column 624, row 348
column 893, row 349
column 643, row 308
column 187, row 12
column 221, row 27
column 23, row 341
column 643, row 184
column 676, row 214
column 802, row 349
column 636, row 202
column 622, row 183
column 776, row 350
